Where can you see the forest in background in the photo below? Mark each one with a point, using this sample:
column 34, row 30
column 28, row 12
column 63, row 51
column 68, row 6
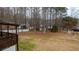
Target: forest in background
column 38, row 18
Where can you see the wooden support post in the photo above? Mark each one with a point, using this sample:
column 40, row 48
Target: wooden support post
column 1, row 30
column 7, row 31
column 17, row 48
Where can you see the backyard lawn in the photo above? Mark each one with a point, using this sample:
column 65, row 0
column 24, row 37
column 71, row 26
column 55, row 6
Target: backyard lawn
column 39, row 41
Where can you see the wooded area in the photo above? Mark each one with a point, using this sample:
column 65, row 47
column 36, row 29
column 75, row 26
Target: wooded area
column 36, row 18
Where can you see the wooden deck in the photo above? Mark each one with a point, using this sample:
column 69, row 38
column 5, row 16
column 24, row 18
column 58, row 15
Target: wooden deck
column 7, row 40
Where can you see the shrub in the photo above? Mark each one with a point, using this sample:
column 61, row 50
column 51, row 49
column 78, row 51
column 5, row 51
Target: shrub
column 54, row 28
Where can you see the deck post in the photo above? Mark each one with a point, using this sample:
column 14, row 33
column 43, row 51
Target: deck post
column 17, row 48
column 7, row 30
column 1, row 31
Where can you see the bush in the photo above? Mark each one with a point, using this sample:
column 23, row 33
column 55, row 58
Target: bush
column 54, row 28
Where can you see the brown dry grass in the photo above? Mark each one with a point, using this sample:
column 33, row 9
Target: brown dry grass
column 52, row 41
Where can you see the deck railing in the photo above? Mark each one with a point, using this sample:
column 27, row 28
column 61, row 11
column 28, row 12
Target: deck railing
column 8, row 38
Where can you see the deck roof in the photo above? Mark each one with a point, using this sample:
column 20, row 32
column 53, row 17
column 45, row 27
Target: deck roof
column 8, row 23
